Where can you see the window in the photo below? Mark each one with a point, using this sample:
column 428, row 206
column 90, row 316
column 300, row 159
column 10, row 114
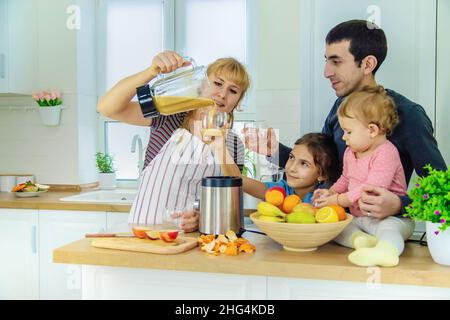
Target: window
column 131, row 32
column 119, row 138
column 211, row 29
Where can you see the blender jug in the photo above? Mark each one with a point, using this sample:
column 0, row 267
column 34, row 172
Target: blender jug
column 183, row 90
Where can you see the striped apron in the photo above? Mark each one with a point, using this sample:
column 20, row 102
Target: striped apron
column 173, row 178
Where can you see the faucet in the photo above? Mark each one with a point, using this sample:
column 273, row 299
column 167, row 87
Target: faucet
column 137, row 140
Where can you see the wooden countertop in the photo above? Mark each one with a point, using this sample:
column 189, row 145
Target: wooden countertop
column 329, row 262
column 50, row 201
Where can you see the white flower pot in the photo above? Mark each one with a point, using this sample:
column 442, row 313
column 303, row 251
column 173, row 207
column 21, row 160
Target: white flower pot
column 438, row 244
column 107, row 181
column 50, row 116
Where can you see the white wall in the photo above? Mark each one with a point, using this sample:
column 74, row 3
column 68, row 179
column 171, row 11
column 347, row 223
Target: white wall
column 286, row 59
column 274, row 60
column 66, row 61
column 443, row 80
column 408, row 69
column 87, row 92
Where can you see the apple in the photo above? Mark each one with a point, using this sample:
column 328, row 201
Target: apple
column 304, row 207
column 300, row 217
column 279, row 189
column 140, row 232
column 152, row 234
column 168, row 236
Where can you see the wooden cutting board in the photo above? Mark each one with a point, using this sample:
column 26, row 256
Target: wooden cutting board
column 181, row 244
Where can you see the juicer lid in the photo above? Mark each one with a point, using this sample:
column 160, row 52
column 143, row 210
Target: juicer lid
column 221, row 182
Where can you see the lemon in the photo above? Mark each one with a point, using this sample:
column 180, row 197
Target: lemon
column 326, row 215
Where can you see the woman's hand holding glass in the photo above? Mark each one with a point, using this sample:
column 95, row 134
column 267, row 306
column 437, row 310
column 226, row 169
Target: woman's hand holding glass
column 214, row 123
column 182, row 219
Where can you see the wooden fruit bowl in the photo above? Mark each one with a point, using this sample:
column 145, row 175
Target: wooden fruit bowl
column 301, row 237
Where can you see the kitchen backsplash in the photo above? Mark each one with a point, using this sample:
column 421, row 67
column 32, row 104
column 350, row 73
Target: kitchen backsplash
column 55, row 155
column 281, row 109
column 64, row 154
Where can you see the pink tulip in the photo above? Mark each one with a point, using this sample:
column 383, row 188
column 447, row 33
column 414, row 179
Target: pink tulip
column 48, row 97
column 35, row 96
column 58, row 94
column 53, row 96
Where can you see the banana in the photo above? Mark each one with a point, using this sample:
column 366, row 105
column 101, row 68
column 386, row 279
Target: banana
column 271, row 219
column 268, row 209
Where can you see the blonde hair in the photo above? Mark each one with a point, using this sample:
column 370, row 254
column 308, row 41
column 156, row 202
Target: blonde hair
column 371, row 105
column 233, row 71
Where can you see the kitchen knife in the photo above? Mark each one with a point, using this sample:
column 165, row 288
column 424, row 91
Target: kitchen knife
column 109, row 235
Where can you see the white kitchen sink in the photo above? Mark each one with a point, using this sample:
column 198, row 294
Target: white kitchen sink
column 122, row 196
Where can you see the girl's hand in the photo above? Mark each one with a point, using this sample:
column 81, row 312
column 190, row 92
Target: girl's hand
column 168, row 61
column 189, row 221
column 326, row 201
column 321, row 193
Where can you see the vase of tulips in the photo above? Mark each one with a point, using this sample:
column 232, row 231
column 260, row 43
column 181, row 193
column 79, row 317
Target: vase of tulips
column 50, row 104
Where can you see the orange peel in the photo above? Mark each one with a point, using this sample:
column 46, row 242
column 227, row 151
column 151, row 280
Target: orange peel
column 229, row 244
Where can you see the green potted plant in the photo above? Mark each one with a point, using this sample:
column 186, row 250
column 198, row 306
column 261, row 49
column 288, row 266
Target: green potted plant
column 249, row 170
column 106, row 172
column 431, row 203
column 50, row 104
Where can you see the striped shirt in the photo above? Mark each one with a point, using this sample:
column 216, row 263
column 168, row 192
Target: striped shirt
column 172, row 179
column 163, row 127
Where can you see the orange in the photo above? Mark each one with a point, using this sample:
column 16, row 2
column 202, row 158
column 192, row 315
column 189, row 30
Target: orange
column 274, row 197
column 326, row 215
column 340, row 211
column 290, row 202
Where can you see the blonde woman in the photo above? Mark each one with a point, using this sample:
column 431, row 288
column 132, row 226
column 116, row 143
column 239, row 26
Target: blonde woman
column 176, row 159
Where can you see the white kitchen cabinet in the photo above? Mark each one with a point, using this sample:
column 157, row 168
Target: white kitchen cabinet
column 112, row 283
column 18, row 46
column 117, row 222
column 19, row 260
column 304, row 289
column 58, row 228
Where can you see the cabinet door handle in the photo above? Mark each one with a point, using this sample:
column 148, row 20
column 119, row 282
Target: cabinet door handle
column 34, row 239
column 2, row 65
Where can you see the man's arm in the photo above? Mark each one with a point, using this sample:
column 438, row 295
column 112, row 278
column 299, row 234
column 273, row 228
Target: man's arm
column 422, row 145
column 422, row 149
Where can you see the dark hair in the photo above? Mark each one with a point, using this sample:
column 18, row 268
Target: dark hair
column 365, row 37
column 324, row 152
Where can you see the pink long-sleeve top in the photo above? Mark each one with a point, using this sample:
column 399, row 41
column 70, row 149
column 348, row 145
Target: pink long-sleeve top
column 381, row 168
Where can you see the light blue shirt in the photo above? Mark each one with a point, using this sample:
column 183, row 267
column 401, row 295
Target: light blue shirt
column 283, row 184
